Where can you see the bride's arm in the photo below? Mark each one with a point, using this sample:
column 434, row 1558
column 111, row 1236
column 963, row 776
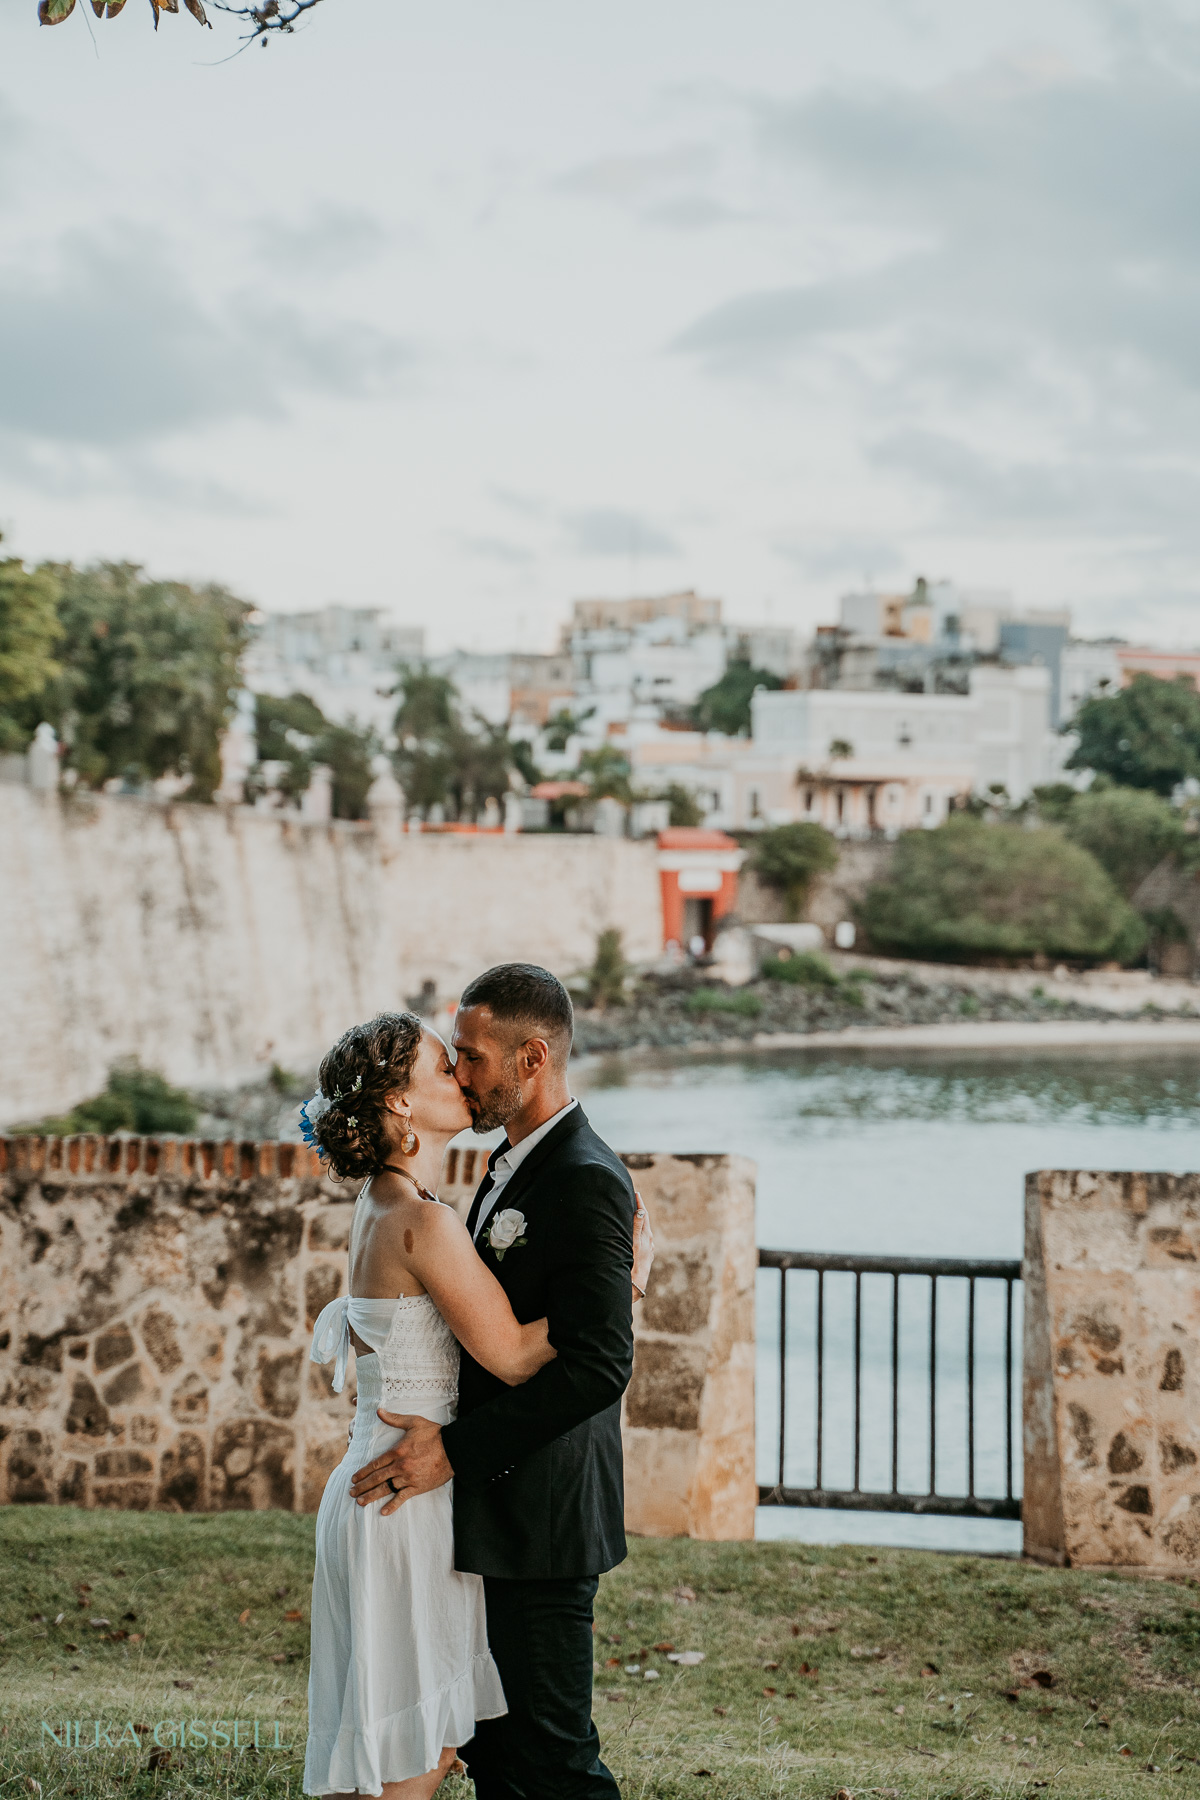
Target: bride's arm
column 471, row 1300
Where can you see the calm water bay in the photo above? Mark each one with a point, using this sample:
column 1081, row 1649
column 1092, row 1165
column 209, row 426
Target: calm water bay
column 908, row 1154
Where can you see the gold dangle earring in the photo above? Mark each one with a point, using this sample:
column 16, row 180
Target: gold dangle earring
column 410, row 1143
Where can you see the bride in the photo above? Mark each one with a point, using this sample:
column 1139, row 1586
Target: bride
column 400, row 1667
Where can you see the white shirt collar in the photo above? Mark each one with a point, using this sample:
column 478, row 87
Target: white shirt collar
column 515, row 1155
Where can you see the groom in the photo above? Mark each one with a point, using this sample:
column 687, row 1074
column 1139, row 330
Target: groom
column 538, row 1478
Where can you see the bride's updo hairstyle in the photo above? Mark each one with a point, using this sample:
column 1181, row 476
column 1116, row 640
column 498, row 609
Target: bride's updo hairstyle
column 365, row 1065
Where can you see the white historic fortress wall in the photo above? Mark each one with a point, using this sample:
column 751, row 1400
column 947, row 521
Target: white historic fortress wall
column 211, row 942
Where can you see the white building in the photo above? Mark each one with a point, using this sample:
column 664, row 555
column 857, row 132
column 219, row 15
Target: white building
column 509, row 688
column 997, row 735
column 638, row 662
column 865, row 760
column 1087, row 669
column 343, row 657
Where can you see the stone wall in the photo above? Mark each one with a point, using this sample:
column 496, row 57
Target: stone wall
column 833, row 896
column 1112, row 1369
column 211, row 942
column 157, row 1302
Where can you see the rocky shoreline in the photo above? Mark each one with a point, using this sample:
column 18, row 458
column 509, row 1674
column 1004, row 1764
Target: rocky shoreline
column 687, row 1010
column 666, row 1013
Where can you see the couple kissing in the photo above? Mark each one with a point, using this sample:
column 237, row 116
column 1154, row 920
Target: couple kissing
column 460, row 1540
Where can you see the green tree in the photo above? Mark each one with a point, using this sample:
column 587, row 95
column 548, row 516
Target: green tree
column 294, row 731
column 149, row 675
column 285, row 730
column 135, row 1099
column 348, row 752
column 1147, row 736
column 30, row 630
column 606, row 771
column 788, row 856
column 563, row 726
column 444, row 760
column 428, row 709
column 685, row 808
column 1127, row 830
column 726, row 705
column 971, row 889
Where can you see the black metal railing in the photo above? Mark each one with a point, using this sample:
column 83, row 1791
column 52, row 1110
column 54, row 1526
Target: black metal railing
column 921, row 1386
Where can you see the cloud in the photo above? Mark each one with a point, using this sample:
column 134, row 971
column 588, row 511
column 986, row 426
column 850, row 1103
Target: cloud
column 328, row 242
column 114, row 348
column 492, row 549
column 692, row 212
column 636, row 177
column 1020, row 330
column 607, row 531
column 848, row 554
column 1100, row 495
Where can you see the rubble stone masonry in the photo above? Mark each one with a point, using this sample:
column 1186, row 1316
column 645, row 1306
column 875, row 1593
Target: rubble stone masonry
column 157, row 1300
column 1112, row 1369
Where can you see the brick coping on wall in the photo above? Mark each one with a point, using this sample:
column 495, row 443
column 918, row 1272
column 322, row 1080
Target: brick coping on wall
column 187, row 1158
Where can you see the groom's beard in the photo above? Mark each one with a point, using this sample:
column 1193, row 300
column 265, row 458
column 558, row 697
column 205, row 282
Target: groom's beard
column 499, row 1104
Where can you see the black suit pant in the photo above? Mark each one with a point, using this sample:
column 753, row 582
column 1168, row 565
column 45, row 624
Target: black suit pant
column 546, row 1746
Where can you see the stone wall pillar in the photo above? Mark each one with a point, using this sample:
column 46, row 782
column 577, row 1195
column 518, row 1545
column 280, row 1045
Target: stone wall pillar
column 1112, row 1369
column 689, row 1411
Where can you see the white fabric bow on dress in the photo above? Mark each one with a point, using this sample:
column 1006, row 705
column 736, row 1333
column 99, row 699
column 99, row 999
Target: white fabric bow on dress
column 331, row 1336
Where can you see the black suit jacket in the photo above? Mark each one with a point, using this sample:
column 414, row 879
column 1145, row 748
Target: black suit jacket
column 538, row 1474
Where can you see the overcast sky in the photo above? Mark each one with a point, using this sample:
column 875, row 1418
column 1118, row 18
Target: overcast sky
column 471, row 308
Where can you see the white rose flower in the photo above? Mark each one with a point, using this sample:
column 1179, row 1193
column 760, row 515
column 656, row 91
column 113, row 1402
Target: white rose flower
column 505, row 1231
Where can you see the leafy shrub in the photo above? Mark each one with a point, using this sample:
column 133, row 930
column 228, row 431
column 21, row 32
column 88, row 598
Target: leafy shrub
column 788, row 856
column 606, row 977
column 806, row 969
column 135, row 1099
column 969, row 889
column 739, row 1000
column 1127, row 830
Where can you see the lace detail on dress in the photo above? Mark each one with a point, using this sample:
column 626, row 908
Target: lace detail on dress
column 420, row 1358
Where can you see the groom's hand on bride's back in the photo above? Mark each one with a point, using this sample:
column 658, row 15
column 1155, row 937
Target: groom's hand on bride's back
column 416, row 1465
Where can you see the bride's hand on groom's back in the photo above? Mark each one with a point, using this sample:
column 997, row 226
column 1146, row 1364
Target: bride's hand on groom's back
column 643, row 1249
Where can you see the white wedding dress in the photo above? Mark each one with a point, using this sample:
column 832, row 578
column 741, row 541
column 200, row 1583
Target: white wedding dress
column 400, row 1663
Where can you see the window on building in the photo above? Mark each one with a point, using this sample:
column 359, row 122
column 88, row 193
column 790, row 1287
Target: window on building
column 841, row 806
column 929, row 806
column 755, row 804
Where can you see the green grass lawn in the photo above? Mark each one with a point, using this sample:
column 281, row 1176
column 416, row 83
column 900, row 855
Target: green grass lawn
column 825, row 1669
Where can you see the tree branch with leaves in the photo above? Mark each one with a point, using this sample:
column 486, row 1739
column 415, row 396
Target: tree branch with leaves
column 261, row 22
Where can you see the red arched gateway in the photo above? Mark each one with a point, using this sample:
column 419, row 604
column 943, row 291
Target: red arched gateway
column 698, row 870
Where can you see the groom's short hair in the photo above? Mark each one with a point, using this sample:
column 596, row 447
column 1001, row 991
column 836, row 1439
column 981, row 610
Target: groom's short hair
column 529, row 999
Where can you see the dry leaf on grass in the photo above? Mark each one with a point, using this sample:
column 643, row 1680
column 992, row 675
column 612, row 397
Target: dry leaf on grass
column 244, row 1617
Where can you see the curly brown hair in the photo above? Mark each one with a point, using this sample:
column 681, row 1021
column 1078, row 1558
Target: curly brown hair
column 367, row 1063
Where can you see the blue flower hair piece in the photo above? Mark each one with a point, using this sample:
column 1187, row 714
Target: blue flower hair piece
column 311, row 1114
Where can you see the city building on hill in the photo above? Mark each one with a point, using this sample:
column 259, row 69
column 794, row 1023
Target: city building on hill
column 1088, row 669
column 862, row 761
column 1167, row 665
column 929, row 640
column 641, row 663
column 509, row 687
column 343, row 657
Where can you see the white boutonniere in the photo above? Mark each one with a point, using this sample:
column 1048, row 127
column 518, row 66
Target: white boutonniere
column 504, row 1232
